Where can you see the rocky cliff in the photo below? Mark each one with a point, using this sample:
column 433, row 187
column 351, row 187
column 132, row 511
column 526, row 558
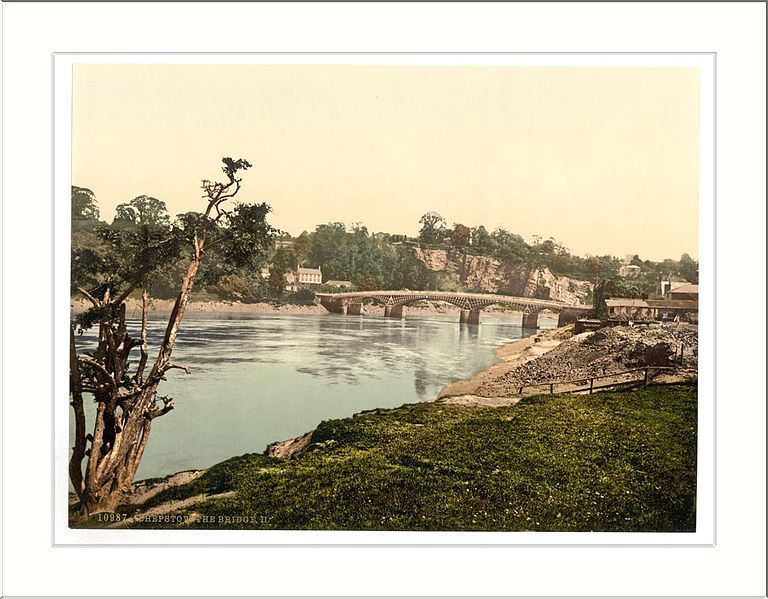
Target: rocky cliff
column 482, row 273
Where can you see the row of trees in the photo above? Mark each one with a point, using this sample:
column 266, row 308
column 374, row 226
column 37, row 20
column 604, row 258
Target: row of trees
column 96, row 242
column 369, row 261
column 352, row 254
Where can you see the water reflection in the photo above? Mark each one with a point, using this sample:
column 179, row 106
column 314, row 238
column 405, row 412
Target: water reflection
column 260, row 378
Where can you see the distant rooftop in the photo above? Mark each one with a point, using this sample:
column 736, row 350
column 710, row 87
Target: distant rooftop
column 690, row 288
column 626, row 302
column 309, row 271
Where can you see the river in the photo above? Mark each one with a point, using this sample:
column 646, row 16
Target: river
column 259, row 378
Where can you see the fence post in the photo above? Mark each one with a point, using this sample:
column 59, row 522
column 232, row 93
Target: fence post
column 521, row 391
column 551, row 388
column 591, row 384
column 645, row 383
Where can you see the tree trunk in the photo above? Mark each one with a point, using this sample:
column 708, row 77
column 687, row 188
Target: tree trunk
column 120, row 436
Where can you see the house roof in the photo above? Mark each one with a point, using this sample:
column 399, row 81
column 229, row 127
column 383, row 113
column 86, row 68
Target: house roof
column 309, row 271
column 685, row 289
column 679, row 304
column 625, row 302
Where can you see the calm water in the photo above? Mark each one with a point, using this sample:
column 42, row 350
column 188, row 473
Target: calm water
column 261, row 378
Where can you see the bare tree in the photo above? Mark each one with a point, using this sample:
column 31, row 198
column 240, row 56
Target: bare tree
column 104, row 461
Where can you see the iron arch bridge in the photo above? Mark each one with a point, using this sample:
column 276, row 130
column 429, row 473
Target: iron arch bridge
column 470, row 304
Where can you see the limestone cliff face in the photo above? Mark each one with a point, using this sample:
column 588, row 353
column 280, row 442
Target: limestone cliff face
column 486, row 274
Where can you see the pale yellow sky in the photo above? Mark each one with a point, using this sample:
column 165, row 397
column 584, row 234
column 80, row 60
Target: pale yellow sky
column 604, row 159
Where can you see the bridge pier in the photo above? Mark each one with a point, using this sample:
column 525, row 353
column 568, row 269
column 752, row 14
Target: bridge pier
column 530, row 321
column 355, row 308
column 474, row 316
column 464, row 316
column 335, row 307
column 387, row 311
column 395, row 311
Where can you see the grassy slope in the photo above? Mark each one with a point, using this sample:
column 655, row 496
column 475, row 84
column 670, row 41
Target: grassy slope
column 614, row 461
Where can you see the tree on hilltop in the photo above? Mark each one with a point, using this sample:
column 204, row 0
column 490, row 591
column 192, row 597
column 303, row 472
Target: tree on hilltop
column 461, row 235
column 104, row 461
column 432, row 228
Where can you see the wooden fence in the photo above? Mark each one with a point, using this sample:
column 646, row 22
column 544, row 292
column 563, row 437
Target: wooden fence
column 589, row 382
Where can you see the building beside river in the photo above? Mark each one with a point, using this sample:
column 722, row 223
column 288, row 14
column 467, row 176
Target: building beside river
column 309, row 277
column 687, row 292
column 625, row 309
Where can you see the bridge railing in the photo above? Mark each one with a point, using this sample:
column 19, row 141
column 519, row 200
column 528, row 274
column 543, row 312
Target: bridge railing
column 587, row 384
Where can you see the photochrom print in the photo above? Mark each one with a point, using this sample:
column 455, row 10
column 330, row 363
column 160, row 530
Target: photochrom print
column 379, row 294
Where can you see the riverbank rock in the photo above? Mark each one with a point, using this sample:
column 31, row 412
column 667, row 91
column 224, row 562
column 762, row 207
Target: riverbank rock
column 290, row 447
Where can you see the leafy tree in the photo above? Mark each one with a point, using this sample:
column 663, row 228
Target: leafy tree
column 85, row 210
column 285, row 259
column 432, row 228
column 689, row 269
column 103, row 462
column 328, row 246
column 303, row 296
column 600, row 268
column 510, row 247
column 276, row 281
column 461, row 235
column 482, row 242
column 235, row 288
column 367, row 282
column 301, row 247
column 142, row 210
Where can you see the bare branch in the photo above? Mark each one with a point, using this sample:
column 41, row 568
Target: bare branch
column 157, row 412
column 101, row 369
column 89, row 297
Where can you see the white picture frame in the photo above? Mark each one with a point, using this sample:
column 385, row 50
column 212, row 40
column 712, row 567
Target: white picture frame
column 458, row 568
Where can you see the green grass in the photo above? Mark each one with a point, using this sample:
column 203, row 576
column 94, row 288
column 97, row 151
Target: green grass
column 612, row 461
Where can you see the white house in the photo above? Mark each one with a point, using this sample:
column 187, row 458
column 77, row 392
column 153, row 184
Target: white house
column 309, row 277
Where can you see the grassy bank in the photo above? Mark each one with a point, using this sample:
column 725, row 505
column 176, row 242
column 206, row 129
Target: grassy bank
column 614, row 461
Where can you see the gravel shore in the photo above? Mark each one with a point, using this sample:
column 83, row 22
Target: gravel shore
column 559, row 355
